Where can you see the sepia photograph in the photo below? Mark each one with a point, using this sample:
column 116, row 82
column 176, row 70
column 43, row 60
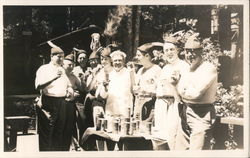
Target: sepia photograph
column 125, row 79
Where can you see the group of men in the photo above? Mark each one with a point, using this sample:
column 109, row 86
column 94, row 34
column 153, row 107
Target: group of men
column 178, row 98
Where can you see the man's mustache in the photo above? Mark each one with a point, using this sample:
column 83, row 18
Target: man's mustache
column 117, row 65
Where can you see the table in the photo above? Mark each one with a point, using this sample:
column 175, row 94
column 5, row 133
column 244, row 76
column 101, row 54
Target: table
column 110, row 141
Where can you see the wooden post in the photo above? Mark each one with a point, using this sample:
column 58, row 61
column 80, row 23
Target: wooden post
column 235, row 29
column 215, row 23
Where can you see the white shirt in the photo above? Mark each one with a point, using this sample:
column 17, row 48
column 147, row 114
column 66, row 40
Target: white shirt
column 147, row 80
column 77, row 71
column 120, row 97
column 199, row 86
column 58, row 87
column 164, row 87
column 166, row 114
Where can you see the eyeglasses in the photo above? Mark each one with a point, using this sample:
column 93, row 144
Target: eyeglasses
column 193, row 51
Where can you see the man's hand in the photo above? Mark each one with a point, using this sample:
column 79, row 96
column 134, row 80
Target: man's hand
column 97, row 69
column 175, row 77
column 136, row 89
column 58, row 73
column 131, row 65
column 76, row 94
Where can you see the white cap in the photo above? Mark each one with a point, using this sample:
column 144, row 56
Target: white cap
column 118, row 52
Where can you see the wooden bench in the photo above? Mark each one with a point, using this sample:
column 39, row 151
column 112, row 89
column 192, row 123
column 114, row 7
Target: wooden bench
column 14, row 124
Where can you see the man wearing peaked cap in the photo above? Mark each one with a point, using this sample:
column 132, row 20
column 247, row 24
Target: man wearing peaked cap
column 57, row 55
column 70, row 57
column 56, row 50
column 52, row 82
column 149, row 47
column 197, row 89
column 79, row 70
column 94, row 59
column 166, row 105
column 170, row 39
column 74, row 94
column 193, row 43
column 193, row 52
column 145, row 81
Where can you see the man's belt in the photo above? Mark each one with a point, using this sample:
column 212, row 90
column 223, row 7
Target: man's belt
column 151, row 95
column 55, row 97
column 165, row 97
column 146, row 95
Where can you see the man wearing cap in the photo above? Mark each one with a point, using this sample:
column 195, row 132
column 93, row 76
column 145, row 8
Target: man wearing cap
column 73, row 92
column 53, row 83
column 79, row 71
column 81, row 74
column 145, row 82
column 166, row 105
column 94, row 60
column 119, row 89
column 197, row 89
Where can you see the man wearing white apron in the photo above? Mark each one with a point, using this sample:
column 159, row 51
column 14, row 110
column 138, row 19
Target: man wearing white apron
column 166, row 106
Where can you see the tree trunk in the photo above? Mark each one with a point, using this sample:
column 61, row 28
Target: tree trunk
column 137, row 29
column 27, row 42
column 129, row 41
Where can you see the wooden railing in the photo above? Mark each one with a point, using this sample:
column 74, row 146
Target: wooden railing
column 228, row 133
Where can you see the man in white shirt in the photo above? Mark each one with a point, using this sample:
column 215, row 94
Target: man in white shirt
column 53, row 83
column 145, row 82
column 119, row 89
column 197, row 89
column 166, row 105
column 79, row 71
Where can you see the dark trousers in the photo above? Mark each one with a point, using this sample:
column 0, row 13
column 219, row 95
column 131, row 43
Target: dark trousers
column 56, row 124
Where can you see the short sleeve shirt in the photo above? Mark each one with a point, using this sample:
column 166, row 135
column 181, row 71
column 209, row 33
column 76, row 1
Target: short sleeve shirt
column 56, row 88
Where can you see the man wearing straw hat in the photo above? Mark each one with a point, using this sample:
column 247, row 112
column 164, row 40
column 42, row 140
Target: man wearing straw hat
column 197, row 89
column 53, row 83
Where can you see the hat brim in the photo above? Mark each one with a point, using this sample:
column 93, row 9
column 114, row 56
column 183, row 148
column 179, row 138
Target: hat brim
column 70, row 60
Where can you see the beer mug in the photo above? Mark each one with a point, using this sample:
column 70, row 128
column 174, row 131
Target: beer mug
column 109, row 123
column 98, row 123
column 149, row 128
column 126, row 128
column 133, row 128
column 116, row 126
column 104, row 124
